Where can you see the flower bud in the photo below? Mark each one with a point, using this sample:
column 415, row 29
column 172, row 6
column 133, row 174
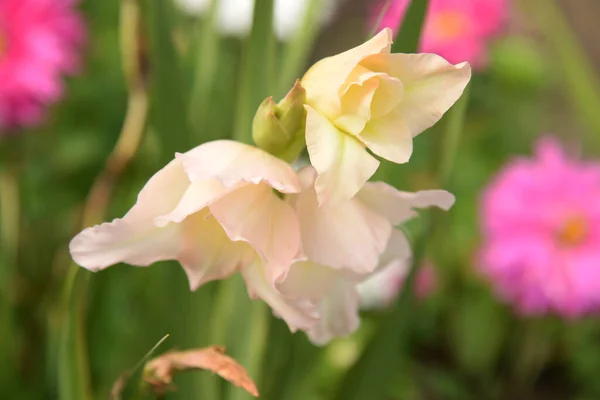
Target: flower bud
column 279, row 128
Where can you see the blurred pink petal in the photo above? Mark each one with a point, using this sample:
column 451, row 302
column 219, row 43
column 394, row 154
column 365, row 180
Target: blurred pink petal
column 458, row 30
column 40, row 41
column 541, row 225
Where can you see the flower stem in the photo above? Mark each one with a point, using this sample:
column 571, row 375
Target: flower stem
column 74, row 374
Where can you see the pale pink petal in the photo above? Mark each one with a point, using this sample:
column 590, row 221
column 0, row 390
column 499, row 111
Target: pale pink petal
column 312, row 281
column 162, row 192
column 348, row 235
column 207, row 254
column 125, row 240
column 298, row 314
column 135, row 239
column 254, row 214
column 342, row 162
column 198, row 195
column 324, row 81
column 233, row 162
column 431, row 85
column 338, row 313
column 398, row 250
column 400, row 206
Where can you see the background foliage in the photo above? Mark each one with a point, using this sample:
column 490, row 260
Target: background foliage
column 149, row 59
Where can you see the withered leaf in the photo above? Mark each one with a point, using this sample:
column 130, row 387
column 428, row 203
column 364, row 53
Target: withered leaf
column 159, row 371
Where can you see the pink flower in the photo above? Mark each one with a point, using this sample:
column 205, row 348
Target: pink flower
column 541, row 225
column 457, row 30
column 39, row 42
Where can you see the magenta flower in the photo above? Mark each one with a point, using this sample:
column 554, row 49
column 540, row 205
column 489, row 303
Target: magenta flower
column 39, row 42
column 541, row 225
column 457, row 30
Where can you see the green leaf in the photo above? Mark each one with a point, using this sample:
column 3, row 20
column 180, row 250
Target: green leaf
column 168, row 88
column 257, row 70
column 206, row 42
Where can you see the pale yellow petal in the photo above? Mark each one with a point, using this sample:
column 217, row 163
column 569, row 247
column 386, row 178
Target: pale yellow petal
column 341, row 161
column 431, row 85
column 324, row 81
column 389, row 137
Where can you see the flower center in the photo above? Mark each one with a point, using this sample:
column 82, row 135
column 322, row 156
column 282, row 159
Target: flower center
column 3, row 45
column 449, row 24
column 573, row 232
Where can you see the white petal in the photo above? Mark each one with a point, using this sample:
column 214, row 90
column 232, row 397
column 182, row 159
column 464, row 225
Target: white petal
column 338, row 313
column 297, row 314
column 389, row 137
column 233, row 162
column 399, row 206
column 347, row 235
column 342, row 162
column 254, row 214
column 206, row 252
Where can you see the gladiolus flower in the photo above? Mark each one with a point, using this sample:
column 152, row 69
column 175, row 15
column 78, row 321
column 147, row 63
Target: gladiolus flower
column 541, row 224
column 39, row 42
column 457, row 30
column 369, row 98
column 215, row 211
column 344, row 245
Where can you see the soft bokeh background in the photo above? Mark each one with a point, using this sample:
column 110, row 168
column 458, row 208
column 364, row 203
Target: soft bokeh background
column 463, row 343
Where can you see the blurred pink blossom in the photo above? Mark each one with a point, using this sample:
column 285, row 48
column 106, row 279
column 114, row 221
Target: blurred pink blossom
column 39, row 42
column 541, row 225
column 454, row 29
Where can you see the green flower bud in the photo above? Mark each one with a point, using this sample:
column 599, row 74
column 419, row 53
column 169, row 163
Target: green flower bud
column 279, row 128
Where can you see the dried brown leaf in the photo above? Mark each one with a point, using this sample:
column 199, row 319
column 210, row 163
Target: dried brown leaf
column 159, row 371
